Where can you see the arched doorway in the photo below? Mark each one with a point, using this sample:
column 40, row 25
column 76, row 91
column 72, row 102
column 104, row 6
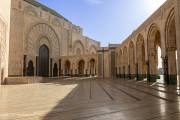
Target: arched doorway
column 30, row 69
column 67, row 67
column 81, row 67
column 44, row 61
column 55, row 70
column 92, row 67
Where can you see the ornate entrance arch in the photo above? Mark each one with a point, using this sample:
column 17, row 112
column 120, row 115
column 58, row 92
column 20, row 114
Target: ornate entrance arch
column 42, row 44
column 35, row 35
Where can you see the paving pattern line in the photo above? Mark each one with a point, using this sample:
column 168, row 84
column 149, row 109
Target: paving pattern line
column 126, row 93
column 109, row 95
column 156, row 96
column 161, row 116
column 156, row 89
column 90, row 87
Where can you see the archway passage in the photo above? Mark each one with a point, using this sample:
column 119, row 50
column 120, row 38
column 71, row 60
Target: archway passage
column 55, row 70
column 30, row 69
column 81, row 67
column 44, row 61
column 67, row 67
column 125, row 62
column 171, row 49
column 153, row 48
column 92, row 67
column 131, row 60
column 120, row 64
column 141, row 63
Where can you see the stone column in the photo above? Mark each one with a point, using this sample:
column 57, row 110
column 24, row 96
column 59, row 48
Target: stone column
column 37, row 64
column 148, row 71
column 165, row 70
column 124, row 72
column 129, row 72
column 51, row 60
column 137, row 72
column 24, row 65
column 172, row 68
column 177, row 22
column 120, row 72
column 152, row 66
column 59, row 67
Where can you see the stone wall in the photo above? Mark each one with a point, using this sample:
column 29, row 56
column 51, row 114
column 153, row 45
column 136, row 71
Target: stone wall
column 4, row 38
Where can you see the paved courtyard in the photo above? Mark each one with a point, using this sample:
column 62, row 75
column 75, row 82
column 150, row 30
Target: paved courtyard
column 89, row 99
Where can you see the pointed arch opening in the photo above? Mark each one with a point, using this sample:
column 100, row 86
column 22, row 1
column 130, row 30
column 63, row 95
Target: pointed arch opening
column 155, row 58
column 141, row 62
column 125, row 62
column 131, row 60
column 171, row 50
column 120, row 64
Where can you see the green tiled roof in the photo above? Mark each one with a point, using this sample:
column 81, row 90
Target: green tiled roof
column 37, row 4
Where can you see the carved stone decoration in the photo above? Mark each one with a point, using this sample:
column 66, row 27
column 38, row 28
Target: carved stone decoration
column 3, row 48
column 57, row 22
column 29, row 10
column 41, row 34
column 78, row 48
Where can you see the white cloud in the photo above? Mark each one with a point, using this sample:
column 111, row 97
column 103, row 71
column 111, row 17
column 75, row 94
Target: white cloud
column 94, row 1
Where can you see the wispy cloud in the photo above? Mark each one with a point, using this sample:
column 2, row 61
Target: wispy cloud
column 94, row 1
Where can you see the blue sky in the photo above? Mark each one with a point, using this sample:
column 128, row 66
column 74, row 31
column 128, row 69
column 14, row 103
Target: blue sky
column 107, row 21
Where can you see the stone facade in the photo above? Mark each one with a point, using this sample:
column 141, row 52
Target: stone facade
column 33, row 35
column 33, row 25
column 106, row 61
column 4, row 37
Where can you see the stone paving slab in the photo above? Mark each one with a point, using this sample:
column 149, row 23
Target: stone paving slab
column 88, row 99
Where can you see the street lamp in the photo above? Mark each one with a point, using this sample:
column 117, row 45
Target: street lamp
column 103, row 60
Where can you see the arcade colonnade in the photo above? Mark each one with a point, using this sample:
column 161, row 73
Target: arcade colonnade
column 154, row 48
column 65, row 66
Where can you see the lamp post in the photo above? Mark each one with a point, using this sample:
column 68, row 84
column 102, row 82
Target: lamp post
column 103, row 61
